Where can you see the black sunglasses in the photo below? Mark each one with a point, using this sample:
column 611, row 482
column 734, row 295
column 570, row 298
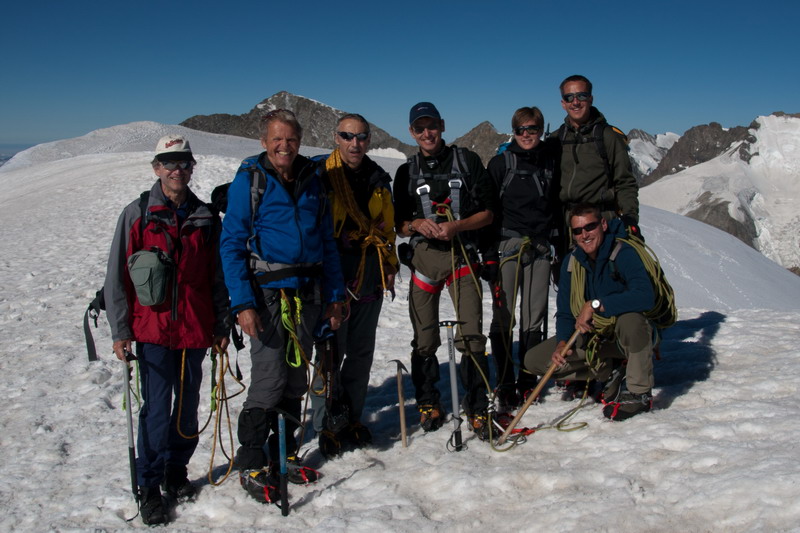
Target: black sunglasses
column 431, row 127
column 582, row 97
column 172, row 165
column 347, row 136
column 591, row 226
column 533, row 130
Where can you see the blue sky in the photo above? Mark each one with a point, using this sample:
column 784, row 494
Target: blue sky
column 72, row 67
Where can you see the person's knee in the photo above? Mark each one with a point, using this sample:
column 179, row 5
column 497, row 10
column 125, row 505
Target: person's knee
column 634, row 332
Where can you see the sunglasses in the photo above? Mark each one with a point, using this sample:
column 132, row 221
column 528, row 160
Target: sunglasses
column 429, row 127
column 172, row 165
column 582, row 97
column 347, row 136
column 533, row 130
column 591, row 226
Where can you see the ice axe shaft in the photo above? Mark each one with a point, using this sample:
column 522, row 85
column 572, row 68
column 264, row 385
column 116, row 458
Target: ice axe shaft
column 283, row 464
column 131, row 444
column 401, row 399
column 451, row 351
column 535, row 394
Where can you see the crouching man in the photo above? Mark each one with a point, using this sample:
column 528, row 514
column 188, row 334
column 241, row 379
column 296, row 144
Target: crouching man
column 604, row 291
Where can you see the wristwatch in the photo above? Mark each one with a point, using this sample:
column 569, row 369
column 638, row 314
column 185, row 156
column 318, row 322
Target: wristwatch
column 596, row 304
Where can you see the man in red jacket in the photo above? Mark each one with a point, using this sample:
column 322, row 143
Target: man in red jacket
column 167, row 235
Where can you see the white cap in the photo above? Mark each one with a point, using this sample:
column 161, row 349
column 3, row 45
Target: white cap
column 173, row 148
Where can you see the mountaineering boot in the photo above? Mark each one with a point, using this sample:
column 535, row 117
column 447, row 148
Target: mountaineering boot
column 176, row 484
column 262, row 485
column 507, row 399
column 330, row 444
column 613, row 386
column 479, row 424
column 151, row 506
column 575, row 389
column 359, row 435
column 628, row 404
column 354, row 436
column 431, row 417
column 298, row 474
column 526, row 382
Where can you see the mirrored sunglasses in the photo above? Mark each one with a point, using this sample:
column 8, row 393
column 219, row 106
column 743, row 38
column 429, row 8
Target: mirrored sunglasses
column 582, row 97
column 347, row 136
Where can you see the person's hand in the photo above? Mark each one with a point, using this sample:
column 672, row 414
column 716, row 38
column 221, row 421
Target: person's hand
column 557, row 358
column 120, row 347
column 427, row 228
column 632, row 225
column 447, row 230
column 334, row 313
column 583, row 321
column 249, row 322
column 220, row 343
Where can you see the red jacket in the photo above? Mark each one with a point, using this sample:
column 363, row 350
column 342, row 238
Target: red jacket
column 199, row 311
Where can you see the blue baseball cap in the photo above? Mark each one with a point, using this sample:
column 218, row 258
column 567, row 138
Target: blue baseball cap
column 423, row 109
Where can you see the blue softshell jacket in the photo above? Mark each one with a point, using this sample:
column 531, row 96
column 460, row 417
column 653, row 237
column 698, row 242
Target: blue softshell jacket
column 287, row 230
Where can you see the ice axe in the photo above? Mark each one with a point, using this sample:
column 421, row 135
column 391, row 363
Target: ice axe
column 401, row 398
column 535, row 394
column 451, row 351
column 131, row 444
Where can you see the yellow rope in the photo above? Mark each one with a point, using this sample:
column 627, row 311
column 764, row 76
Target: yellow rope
column 221, row 398
column 368, row 231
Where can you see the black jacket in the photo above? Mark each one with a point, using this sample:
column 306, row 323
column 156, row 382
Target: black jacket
column 530, row 199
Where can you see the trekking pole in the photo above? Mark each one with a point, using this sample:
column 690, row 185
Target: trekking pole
column 535, row 394
column 451, row 350
column 401, row 399
column 284, row 467
column 131, row 445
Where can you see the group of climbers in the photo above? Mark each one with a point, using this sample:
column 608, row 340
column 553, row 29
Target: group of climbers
column 307, row 249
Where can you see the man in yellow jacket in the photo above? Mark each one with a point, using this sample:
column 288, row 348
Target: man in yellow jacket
column 363, row 226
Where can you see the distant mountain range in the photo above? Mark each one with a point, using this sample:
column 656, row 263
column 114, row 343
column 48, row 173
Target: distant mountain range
column 653, row 158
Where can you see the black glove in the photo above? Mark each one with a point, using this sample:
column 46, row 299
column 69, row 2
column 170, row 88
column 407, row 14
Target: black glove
column 405, row 253
column 489, row 271
column 632, row 225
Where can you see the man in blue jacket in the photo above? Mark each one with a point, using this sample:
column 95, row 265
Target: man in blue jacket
column 283, row 274
column 603, row 292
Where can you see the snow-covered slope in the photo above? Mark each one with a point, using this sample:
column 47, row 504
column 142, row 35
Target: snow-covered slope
column 719, row 453
column 762, row 194
column 646, row 150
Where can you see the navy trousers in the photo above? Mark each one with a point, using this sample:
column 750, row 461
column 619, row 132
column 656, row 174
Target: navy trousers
column 159, row 442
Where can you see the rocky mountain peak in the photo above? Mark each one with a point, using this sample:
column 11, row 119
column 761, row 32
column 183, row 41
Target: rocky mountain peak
column 483, row 139
column 698, row 145
column 318, row 121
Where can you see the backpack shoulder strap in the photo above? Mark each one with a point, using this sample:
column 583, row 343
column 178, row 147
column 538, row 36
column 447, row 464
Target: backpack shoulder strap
column 258, row 184
column 511, row 165
column 611, row 261
column 600, row 143
column 144, row 199
column 413, row 173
